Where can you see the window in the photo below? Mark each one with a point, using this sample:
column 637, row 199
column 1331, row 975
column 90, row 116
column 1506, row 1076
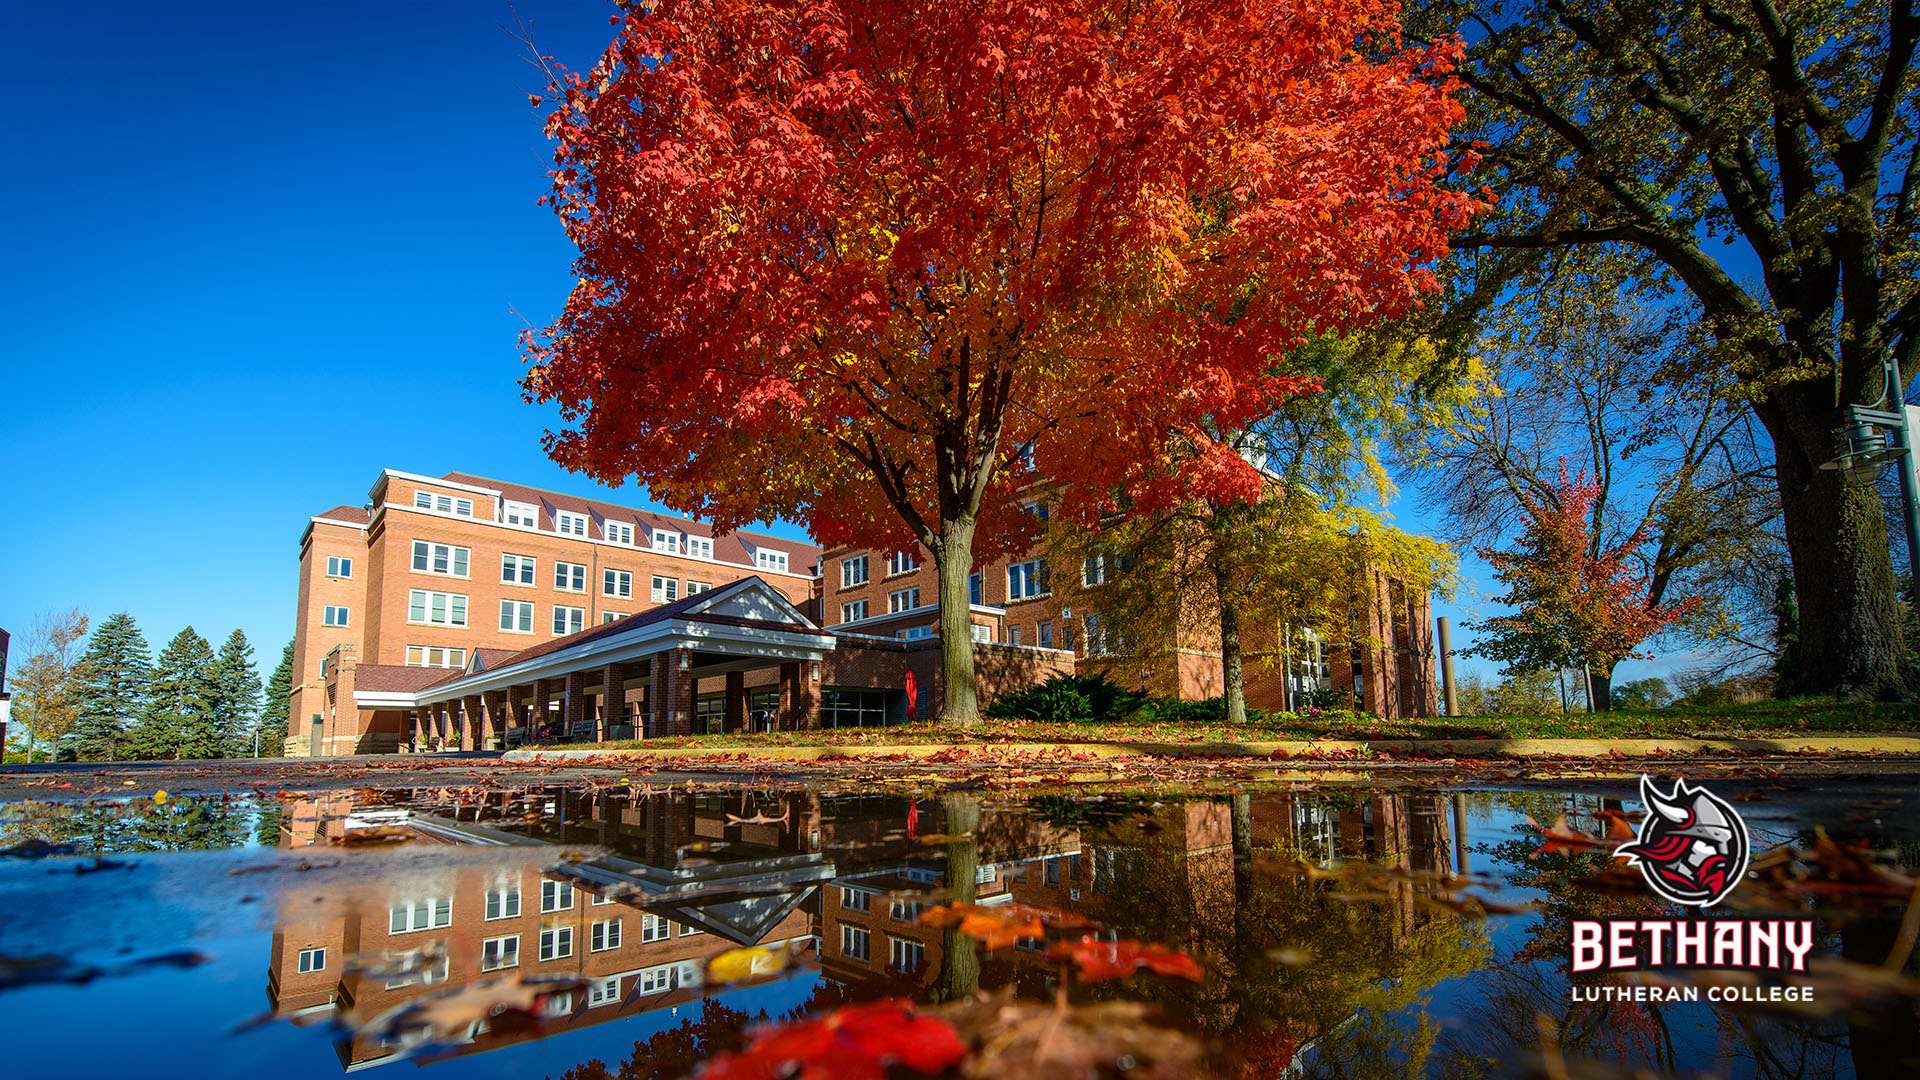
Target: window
column 689, row 931
column 903, row 599
column 902, row 562
column 598, row 900
column 982, row 632
column 604, row 992
column 656, row 979
column 436, row 608
column 770, row 560
column 339, row 566
column 1026, row 580
column 557, row 1004
column 652, row 928
column 617, row 583
column 853, row 571
column 666, row 540
column 431, row 558
column 1043, row 634
column 906, row 955
column 1053, row 873
column 915, row 633
column 1066, row 636
column 568, row 620
column 855, row 900
column 555, row 896
column 904, row 910
column 525, row 515
column 698, row 587
column 700, row 547
column 841, row 707
column 434, row 914
column 973, row 588
column 602, row 936
column 334, row 616
column 1094, row 572
column 313, row 960
column 1037, row 509
column 516, row 616
column 854, row 611
column 504, row 902
column 617, row 532
column 853, row 943
column 1013, row 635
column 608, row 616
column 420, row 970
column 443, row 504
column 556, row 943
column 500, row 952
column 665, row 589
column 516, row 569
column 570, row 576
column 1096, row 637
column 435, row 656
column 568, row 523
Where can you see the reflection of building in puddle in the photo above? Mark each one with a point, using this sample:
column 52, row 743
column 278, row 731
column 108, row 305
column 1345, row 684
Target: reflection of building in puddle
column 675, row 882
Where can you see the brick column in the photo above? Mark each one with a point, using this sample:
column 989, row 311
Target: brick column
column 658, row 694
column 516, row 711
column 1426, row 685
column 1376, row 648
column 574, row 709
column 473, row 722
column 677, row 702
column 537, row 714
column 493, row 706
column 735, row 717
column 613, row 698
column 413, row 731
column 799, row 698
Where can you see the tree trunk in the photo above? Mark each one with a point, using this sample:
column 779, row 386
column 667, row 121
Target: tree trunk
column 953, row 560
column 960, row 954
column 1599, row 690
column 1851, row 641
column 1233, row 686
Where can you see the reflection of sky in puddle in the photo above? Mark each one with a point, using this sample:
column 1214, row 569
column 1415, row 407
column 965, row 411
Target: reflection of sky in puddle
column 1115, row 866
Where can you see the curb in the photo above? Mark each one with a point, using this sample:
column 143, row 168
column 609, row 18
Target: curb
column 1888, row 745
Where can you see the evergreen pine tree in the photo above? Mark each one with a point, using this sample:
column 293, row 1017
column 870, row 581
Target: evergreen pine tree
column 179, row 721
column 273, row 712
column 115, row 671
column 236, row 706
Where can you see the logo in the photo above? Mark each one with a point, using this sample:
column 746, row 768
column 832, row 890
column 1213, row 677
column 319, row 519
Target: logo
column 1692, row 847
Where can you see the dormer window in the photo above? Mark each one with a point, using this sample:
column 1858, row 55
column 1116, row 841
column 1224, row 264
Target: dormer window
column 524, row 515
column 568, row 523
column 666, row 540
column 770, row 560
column 617, row 532
column 700, row 547
column 443, row 504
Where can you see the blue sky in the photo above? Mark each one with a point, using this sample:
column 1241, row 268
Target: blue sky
column 256, row 253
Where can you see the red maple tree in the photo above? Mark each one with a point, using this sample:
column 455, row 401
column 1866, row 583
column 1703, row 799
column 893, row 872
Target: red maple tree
column 883, row 265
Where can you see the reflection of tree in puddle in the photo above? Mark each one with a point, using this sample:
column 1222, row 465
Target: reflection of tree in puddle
column 140, row 825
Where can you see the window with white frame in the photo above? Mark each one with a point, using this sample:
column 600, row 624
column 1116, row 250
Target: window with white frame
column 653, row 980
column 555, row 896
column 500, row 952
column 1094, row 571
column 653, row 928
column 853, row 571
column 436, row 608
column 1037, row 509
column 334, row 616
column 855, row 899
column 596, row 900
column 689, row 930
column 1026, row 580
column 568, row 620
column 982, row 632
column 853, row 612
column 770, row 560
column 443, row 504
column 906, row 954
column 504, row 902
column 904, row 910
column 604, row 992
column 1043, row 633
column 700, row 547
column 432, row 914
column 903, row 600
column 616, row 583
column 665, row 589
column 556, row 943
column 339, row 566
column 570, row 576
column 1097, row 637
column 313, row 960
column 604, row 935
column 608, row 616
column 698, row 587
column 568, row 523
column 517, row 569
column 902, row 562
column 524, row 515
column 915, row 633
column 420, row 970
column 974, row 595
column 617, row 532
column 666, row 540
column 446, row 559
column 516, row 616
column 435, row 656
column 853, row 942
column 1013, row 635
column 556, row 1005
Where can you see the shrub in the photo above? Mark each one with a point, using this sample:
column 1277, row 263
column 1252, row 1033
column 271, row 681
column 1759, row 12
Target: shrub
column 1065, row 698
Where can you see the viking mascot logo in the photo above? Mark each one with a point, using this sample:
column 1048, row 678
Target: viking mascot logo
column 1692, row 847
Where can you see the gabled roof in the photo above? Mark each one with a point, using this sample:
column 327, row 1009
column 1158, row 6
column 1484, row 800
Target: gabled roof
column 389, row 678
column 735, row 547
column 356, row 514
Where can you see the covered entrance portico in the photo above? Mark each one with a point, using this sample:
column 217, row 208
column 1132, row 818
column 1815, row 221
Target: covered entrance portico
column 637, row 677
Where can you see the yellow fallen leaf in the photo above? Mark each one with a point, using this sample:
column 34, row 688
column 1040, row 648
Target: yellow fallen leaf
column 736, row 964
column 159, row 796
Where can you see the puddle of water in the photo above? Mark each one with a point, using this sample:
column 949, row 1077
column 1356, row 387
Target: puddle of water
column 609, row 933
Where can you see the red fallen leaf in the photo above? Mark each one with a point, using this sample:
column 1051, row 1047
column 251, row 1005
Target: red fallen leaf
column 859, row 1042
column 1097, row 959
column 1003, row 924
column 1562, row 837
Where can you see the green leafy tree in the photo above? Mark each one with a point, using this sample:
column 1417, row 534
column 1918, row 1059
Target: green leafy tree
column 236, row 706
column 1648, row 693
column 116, row 671
column 273, row 712
column 1762, row 157
column 49, row 681
column 180, row 719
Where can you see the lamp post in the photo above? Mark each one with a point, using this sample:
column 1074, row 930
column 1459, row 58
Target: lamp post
column 1874, row 435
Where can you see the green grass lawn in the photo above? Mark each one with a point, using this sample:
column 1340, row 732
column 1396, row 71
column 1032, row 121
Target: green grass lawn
column 1764, row 719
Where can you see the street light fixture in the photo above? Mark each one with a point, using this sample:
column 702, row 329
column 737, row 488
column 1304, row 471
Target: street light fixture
column 1874, row 435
